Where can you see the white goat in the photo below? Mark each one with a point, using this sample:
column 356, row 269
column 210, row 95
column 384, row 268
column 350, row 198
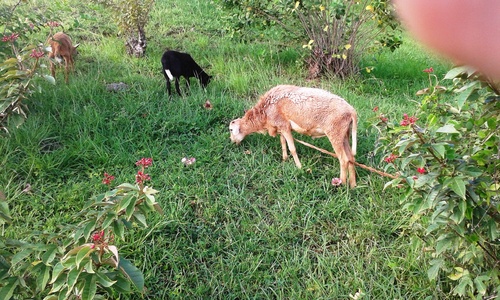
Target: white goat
column 61, row 46
column 308, row 111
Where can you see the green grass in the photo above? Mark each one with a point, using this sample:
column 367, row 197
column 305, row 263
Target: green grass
column 239, row 223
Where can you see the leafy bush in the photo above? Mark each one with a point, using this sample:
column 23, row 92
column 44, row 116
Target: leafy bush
column 131, row 17
column 80, row 261
column 335, row 33
column 447, row 157
column 20, row 63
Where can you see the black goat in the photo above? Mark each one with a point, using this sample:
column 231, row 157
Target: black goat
column 176, row 64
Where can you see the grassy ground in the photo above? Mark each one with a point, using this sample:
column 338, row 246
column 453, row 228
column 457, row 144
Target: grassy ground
column 239, row 223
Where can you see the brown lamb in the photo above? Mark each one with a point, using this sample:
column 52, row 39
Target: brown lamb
column 308, row 111
column 61, row 46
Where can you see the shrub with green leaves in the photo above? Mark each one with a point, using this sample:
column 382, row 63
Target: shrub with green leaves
column 335, row 33
column 20, row 63
column 131, row 17
column 447, row 158
column 81, row 260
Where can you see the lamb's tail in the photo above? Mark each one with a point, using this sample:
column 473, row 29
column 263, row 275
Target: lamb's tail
column 169, row 74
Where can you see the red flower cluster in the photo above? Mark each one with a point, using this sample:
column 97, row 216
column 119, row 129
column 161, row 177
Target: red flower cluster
column 408, row 120
column 391, row 158
column 53, row 24
column 10, row 38
column 375, row 108
column 144, row 162
column 421, row 170
column 428, row 70
column 36, row 54
column 141, row 177
column 108, row 178
column 98, row 237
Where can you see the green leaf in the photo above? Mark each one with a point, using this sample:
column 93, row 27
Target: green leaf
column 122, row 284
column 56, row 271
column 132, row 273
column 460, row 289
column 448, row 128
column 141, row 219
column 434, row 270
column 42, row 277
column 440, row 149
column 50, row 254
column 458, row 274
column 130, row 209
column 83, row 253
column 453, row 73
column 73, row 277
column 464, row 95
column 20, row 256
column 110, row 217
column 58, row 284
column 444, row 243
column 89, row 288
column 479, row 283
column 7, row 290
column 459, row 212
column 128, row 187
column 457, row 185
column 119, row 229
column 425, row 179
column 104, row 280
column 124, row 203
column 89, row 228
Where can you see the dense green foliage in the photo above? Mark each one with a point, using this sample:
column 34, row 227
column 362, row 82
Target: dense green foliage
column 334, row 34
column 19, row 63
column 238, row 223
column 447, row 153
column 131, row 16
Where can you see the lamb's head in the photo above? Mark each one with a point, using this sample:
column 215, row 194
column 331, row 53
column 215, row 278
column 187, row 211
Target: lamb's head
column 234, row 130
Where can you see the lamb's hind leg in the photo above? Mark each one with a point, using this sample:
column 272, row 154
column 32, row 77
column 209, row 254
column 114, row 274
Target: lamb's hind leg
column 351, row 159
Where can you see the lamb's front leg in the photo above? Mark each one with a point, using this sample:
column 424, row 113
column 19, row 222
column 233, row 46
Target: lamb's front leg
column 291, row 146
column 283, row 147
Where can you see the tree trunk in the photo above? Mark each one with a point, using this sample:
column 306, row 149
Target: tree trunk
column 137, row 46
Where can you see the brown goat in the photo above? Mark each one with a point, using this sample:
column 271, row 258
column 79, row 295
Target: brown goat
column 61, row 46
column 308, row 111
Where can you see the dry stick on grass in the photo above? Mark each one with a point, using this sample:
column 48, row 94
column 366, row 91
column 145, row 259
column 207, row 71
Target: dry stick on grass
column 355, row 163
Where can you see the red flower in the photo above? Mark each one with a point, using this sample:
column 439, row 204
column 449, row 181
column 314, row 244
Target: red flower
column 408, row 120
column 383, row 119
column 108, row 178
column 428, row 70
column 421, row 170
column 36, row 54
column 144, row 162
column 10, row 38
column 141, row 177
column 98, row 236
column 375, row 108
column 391, row 158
